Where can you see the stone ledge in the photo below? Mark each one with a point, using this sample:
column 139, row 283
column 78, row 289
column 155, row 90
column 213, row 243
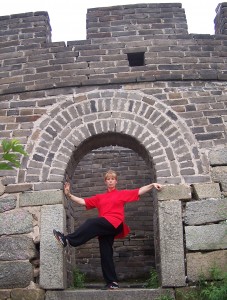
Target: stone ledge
column 28, row 294
column 41, row 198
column 126, row 294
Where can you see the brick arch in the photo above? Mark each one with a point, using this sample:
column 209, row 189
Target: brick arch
column 152, row 124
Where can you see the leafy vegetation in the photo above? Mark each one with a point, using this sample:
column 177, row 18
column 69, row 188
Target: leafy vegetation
column 152, row 282
column 10, row 154
column 214, row 289
column 165, row 297
column 78, row 279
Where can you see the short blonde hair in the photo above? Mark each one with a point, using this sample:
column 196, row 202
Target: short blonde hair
column 110, row 173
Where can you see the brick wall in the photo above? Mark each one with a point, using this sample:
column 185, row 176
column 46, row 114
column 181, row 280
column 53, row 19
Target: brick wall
column 139, row 19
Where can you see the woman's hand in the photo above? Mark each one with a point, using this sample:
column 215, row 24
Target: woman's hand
column 157, row 186
column 147, row 188
column 67, row 189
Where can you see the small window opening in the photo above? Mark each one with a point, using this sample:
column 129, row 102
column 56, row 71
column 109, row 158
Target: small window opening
column 136, row 59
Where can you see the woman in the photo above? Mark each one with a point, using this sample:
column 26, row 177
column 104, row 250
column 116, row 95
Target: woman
column 108, row 225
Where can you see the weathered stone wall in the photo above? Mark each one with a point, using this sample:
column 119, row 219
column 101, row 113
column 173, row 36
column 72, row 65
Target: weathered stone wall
column 131, row 20
column 63, row 101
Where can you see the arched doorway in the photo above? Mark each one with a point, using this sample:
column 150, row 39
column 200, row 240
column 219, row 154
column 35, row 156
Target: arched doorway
column 134, row 255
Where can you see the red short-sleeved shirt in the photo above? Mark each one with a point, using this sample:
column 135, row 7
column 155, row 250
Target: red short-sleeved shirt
column 111, row 204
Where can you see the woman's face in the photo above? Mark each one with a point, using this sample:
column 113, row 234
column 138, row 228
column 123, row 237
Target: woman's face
column 111, row 182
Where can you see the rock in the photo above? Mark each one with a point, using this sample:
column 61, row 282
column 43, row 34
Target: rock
column 208, row 237
column 175, row 192
column 15, row 222
column 205, row 211
column 53, row 265
column 206, row 190
column 171, row 243
column 41, row 198
column 4, row 294
column 8, row 203
column 201, row 263
column 16, row 274
column 219, row 174
column 16, row 248
column 218, row 157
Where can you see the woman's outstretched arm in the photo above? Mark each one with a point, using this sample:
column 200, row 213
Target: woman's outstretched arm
column 76, row 199
column 146, row 188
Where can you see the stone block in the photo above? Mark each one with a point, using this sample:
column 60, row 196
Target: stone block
column 52, row 259
column 219, row 174
column 218, row 157
column 15, row 222
column 206, row 190
column 16, row 248
column 205, row 211
column 201, row 263
column 16, row 188
column 7, row 203
column 175, row 192
column 171, row 243
column 28, row 294
column 16, row 274
column 41, row 198
column 208, row 237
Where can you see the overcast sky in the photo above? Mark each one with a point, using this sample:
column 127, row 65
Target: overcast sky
column 68, row 18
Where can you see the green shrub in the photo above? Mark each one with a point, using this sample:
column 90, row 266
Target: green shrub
column 165, row 297
column 216, row 289
column 78, row 279
column 152, row 282
column 9, row 157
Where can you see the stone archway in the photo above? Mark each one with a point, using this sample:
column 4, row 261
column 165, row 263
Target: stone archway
column 154, row 125
column 151, row 127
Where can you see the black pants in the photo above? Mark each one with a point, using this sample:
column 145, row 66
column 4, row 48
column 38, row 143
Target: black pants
column 101, row 228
